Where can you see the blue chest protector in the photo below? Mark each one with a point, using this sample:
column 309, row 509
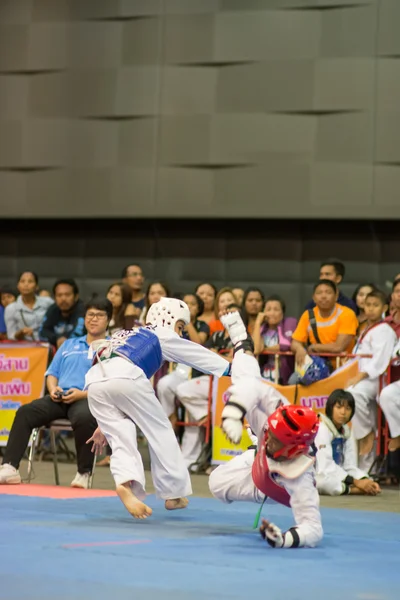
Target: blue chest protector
column 141, row 346
column 338, row 450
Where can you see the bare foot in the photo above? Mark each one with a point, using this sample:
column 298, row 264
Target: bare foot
column 394, row 444
column 133, row 505
column 176, row 503
column 105, row 462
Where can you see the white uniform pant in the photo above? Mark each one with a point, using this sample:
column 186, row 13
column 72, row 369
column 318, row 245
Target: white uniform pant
column 118, row 404
column 233, row 482
column 389, row 401
column 365, row 417
column 365, row 396
column 193, row 394
column 329, row 485
column 166, row 389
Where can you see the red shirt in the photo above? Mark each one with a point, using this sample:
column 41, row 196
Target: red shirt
column 394, row 371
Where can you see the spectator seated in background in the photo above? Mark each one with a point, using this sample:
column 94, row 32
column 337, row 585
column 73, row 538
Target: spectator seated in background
column 239, row 295
column 3, row 328
column 253, row 303
column 333, row 331
column 24, row 316
column 7, row 296
column 359, row 296
column 334, row 271
column 378, row 340
column 390, row 396
column 197, row 331
column 224, row 297
column 154, row 293
column 65, row 400
column 389, row 401
column 65, row 318
column 132, row 276
column 123, row 316
column 273, row 331
column 336, row 466
column 207, row 292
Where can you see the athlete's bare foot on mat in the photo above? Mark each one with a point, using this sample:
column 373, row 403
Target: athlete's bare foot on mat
column 176, row 503
column 133, row 505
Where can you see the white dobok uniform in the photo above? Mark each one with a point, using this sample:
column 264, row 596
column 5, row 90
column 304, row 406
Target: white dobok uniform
column 389, row 401
column 120, row 395
column 336, row 458
column 233, row 481
column 379, row 342
column 193, row 394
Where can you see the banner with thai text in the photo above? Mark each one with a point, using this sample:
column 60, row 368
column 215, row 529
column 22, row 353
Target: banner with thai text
column 313, row 396
column 22, row 369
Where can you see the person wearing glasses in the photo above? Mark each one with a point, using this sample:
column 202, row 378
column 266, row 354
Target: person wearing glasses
column 65, row 379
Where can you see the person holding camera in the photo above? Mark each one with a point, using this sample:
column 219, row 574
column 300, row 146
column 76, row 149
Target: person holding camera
column 65, row 400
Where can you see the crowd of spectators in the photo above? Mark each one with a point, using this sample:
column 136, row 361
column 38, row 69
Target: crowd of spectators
column 331, row 323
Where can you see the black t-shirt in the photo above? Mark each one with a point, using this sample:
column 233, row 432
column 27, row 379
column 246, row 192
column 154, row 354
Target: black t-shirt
column 200, row 327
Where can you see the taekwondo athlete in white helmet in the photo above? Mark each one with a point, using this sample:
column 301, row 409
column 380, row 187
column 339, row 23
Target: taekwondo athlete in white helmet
column 121, row 396
column 282, row 466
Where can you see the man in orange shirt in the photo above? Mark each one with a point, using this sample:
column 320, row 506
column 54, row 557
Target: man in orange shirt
column 336, row 325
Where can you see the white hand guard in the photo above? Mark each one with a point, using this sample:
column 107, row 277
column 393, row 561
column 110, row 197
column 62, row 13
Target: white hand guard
column 234, row 325
column 252, row 436
column 275, row 538
column 232, row 422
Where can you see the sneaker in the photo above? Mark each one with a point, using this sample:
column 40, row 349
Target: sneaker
column 9, row 475
column 81, row 481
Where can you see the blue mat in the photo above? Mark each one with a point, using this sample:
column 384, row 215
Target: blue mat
column 91, row 549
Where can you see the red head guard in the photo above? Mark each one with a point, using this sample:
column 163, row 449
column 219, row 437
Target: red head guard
column 294, row 426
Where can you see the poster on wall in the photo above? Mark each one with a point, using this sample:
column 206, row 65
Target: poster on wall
column 22, row 369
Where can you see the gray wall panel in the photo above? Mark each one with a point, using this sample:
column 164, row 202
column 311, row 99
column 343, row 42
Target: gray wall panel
column 188, row 39
column 13, row 97
column 388, row 137
column 141, row 41
column 345, row 137
column 342, row 186
column 274, row 108
column 344, row 84
column 137, row 142
column 349, row 32
column 176, row 137
column 91, row 44
column 275, row 86
column 254, row 36
column 188, row 91
column 388, row 31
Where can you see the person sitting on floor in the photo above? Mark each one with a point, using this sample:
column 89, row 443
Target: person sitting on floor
column 65, row 400
column 337, row 473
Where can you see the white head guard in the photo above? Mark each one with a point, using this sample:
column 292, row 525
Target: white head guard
column 167, row 311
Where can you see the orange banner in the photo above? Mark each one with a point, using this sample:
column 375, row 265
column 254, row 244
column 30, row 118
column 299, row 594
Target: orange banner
column 313, row 396
column 22, row 369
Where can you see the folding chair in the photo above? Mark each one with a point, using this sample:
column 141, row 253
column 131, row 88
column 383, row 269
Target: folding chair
column 54, row 427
